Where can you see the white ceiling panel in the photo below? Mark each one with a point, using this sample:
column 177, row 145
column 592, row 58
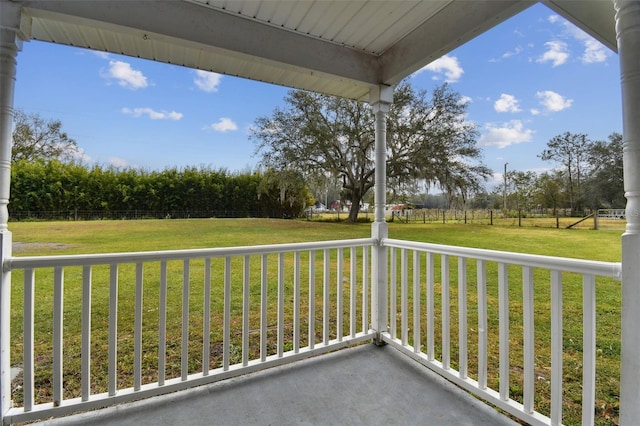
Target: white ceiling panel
column 341, row 47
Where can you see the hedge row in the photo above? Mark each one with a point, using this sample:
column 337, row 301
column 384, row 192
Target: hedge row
column 69, row 188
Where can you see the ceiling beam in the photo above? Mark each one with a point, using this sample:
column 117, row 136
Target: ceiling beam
column 598, row 20
column 188, row 22
column 451, row 27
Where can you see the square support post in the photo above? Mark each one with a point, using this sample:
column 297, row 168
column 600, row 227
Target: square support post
column 380, row 99
column 628, row 37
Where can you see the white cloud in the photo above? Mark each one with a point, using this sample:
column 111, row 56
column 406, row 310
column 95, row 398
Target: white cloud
column 553, row 18
column 102, row 55
column 446, row 65
column 152, row 114
column 80, row 156
column 494, row 180
column 207, row 81
column 594, row 52
column 225, row 124
column 552, row 101
column 518, row 50
column 510, row 133
column 118, row 162
column 556, row 53
column 464, row 100
column 506, row 103
column 125, row 75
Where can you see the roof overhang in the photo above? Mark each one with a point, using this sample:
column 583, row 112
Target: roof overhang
column 342, row 48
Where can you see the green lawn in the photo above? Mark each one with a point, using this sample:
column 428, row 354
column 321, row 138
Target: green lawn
column 39, row 238
column 115, row 236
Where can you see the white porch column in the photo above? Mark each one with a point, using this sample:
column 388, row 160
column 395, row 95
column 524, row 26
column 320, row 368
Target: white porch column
column 380, row 99
column 10, row 43
column 628, row 35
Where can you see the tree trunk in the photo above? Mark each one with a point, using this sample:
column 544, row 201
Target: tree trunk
column 355, row 209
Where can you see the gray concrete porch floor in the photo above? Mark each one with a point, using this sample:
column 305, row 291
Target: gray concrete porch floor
column 364, row 385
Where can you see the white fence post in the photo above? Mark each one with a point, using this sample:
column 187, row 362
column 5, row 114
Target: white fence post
column 628, row 37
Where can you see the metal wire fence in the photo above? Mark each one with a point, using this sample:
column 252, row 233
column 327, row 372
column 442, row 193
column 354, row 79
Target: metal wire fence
column 602, row 219
column 606, row 219
column 129, row 214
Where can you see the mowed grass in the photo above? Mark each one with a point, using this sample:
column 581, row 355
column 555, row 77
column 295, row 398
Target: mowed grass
column 39, row 238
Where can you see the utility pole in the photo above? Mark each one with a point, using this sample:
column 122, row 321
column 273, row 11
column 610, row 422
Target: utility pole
column 504, row 192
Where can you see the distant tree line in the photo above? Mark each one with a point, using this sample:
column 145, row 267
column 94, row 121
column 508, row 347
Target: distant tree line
column 589, row 176
column 319, row 148
column 68, row 188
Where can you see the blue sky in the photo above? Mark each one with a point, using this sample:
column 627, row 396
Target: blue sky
column 531, row 78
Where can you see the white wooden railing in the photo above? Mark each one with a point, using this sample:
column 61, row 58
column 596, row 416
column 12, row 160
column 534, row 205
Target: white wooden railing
column 422, row 273
column 262, row 306
column 263, row 285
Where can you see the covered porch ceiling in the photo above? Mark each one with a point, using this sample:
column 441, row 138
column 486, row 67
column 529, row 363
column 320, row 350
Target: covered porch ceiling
column 337, row 47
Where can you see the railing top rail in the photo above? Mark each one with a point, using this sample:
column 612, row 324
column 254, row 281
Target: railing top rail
column 593, row 267
column 146, row 256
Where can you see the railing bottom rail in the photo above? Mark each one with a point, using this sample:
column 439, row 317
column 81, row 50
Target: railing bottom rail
column 520, row 301
column 200, row 315
column 76, row 405
column 468, row 384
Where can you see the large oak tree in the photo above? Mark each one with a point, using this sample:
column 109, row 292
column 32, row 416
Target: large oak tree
column 428, row 139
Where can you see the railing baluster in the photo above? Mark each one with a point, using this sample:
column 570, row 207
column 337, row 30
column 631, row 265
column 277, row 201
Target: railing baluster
column 430, row 306
column 365, row 288
column 162, row 324
column 137, row 330
column 263, row 307
column 393, row 293
column 58, row 317
column 588, row 349
column 206, row 318
column 416, row 302
column 556, row 347
column 528, row 344
column 226, row 332
column 246, row 309
column 526, row 411
column 325, row 294
column 165, row 261
column 446, row 313
column 280, row 338
column 339, row 295
column 296, row 302
column 404, row 297
column 352, row 291
column 28, row 330
column 503, row 324
column 481, row 274
column 462, row 318
column 312, row 299
column 184, row 355
column 85, row 354
column 113, row 329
